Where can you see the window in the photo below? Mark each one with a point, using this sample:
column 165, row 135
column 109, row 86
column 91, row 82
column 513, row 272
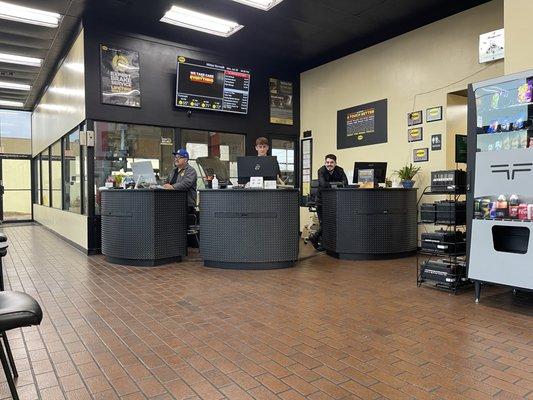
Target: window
column 37, row 163
column 284, row 151
column 56, row 174
column 118, row 145
column 226, row 146
column 15, row 130
column 72, row 173
column 45, row 170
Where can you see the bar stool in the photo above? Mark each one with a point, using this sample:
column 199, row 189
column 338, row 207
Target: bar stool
column 17, row 310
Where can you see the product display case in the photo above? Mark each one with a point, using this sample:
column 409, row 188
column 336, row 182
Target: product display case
column 500, row 192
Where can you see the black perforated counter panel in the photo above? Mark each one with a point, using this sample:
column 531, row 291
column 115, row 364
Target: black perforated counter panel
column 369, row 223
column 248, row 228
column 144, row 227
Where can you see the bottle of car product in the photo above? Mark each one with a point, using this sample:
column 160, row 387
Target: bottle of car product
column 530, row 211
column 214, row 183
column 513, row 206
column 485, row 207
column 477, row 209
column 493, row 210
column 522, row 211
column 502, row 210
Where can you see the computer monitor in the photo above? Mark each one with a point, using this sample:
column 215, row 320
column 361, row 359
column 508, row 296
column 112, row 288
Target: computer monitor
column 364, row 172
column 143, row 171
column 266, row 166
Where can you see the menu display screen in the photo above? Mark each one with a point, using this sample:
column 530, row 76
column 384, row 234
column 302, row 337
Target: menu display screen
column 210, row 86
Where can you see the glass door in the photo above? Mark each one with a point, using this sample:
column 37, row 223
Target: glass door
column 15, row 177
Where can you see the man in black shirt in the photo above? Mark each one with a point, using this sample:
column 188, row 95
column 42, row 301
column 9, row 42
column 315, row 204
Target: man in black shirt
column 329, row 172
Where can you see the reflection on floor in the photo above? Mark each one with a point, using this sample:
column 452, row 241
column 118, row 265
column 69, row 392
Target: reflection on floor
column 326, row 329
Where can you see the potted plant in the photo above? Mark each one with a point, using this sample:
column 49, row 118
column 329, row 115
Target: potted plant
column 406, row 174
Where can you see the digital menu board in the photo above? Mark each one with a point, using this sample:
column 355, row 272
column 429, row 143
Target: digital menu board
column 209, row 86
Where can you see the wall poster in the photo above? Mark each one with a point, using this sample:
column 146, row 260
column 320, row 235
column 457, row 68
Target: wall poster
column 281, row 102
column 306, row 150
column 362, row 125
column 119, row 76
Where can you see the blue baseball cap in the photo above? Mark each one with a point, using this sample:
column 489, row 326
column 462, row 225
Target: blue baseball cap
column 181, row 153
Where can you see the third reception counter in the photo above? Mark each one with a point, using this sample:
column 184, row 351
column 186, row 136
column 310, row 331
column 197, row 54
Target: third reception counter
column 249, row 228
column 365, row 224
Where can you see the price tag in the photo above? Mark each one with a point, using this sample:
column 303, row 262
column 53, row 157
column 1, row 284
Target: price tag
column 256, row 182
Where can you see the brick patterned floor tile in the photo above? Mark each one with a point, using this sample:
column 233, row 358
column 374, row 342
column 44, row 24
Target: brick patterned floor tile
column 182, row 331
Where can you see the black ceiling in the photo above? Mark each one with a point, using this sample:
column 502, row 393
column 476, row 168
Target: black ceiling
column 298, row 33
column 36, row 41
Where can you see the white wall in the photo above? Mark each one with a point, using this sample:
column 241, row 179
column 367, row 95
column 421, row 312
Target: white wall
column 62, row 106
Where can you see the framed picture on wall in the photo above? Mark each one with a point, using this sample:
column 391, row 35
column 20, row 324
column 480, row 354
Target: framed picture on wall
column 281, row 97
column 415, row 134
column 434, row 114
column 421, row 155
column 414, row 118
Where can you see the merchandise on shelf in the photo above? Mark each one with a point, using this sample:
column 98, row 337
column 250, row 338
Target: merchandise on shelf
column 516, row 208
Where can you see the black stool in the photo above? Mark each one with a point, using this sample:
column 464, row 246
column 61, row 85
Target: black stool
column 17, row 310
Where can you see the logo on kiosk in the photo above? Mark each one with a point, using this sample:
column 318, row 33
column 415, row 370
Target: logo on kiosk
column 511, row 169
column 257, row 167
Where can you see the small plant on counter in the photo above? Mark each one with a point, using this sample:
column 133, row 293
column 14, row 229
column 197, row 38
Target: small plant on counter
column 406, row 174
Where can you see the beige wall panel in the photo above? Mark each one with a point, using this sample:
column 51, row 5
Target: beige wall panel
column 517, row 22
column 456, row 123
column 62, row 107
column 69, row 225
column 413, row 71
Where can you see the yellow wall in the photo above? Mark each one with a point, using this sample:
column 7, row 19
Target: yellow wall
column 456, row 123
column 414, row 71
column 517, row 19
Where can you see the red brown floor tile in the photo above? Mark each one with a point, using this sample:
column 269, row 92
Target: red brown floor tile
column 325, row 329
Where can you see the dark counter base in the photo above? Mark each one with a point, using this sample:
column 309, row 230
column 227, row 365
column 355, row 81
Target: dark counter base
column 251, row 266
column 356, row 256
column 143, row 263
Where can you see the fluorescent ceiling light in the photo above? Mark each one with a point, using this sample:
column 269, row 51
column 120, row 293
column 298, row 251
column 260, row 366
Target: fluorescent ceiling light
column 29, row 15
column 262, row 4
column 13, row 59
column 9, row 103
column 201, row 22
column 14, row 86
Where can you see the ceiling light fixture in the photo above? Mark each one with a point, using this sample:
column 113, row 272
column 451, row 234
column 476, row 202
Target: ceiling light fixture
column 8, row 103
column 14, row 86
column 264, row 5
column 28, row 15
column 201, row 22
column 13, row 59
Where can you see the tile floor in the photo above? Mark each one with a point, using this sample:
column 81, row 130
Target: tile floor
column 326, row 329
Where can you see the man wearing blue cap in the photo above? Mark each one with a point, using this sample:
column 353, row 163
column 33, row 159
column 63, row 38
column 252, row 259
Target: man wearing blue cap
column 183, row 177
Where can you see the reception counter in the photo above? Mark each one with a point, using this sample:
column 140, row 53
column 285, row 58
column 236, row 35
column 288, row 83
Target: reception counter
column 366, row 224
column 144, row 227
column 249, row 228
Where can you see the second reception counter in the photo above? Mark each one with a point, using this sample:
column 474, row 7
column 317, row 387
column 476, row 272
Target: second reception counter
column 249, row 228
column 364, row 224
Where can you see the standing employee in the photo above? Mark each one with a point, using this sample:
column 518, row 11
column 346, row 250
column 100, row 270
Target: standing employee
column 183, row 177
column 262, row 147
column 329, row 172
